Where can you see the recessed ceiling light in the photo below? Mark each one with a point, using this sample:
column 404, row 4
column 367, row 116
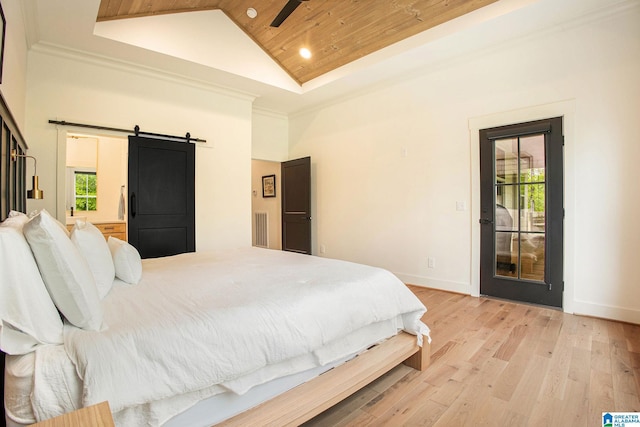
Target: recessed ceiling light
column 252, row 13
column 305, row 53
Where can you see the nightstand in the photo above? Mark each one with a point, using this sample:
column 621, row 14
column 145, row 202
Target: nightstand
column 92, row 416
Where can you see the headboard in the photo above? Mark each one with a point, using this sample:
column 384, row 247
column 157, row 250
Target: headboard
column 12, row 186
column 12, row 173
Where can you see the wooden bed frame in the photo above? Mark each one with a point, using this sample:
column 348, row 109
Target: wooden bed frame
column 307, row 400
column 290, row 408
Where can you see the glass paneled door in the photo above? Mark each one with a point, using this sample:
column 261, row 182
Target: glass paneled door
column 521, row 212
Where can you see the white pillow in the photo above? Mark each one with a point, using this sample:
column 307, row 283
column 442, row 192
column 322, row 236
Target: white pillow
column 64, row 271
column 126, row 260
column 27, row 314
column 93, row 247
column 16, row 220
column 33, row 214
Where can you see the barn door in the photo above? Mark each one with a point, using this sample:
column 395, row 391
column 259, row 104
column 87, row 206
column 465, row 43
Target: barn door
column 161, row 196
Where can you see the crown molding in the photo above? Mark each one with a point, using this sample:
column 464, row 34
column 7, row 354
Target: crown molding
column 142, row 70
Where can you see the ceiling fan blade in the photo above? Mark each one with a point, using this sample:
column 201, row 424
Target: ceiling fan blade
column 285, row 12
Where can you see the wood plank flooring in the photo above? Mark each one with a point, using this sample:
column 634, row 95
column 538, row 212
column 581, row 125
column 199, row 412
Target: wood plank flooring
column 498, row 363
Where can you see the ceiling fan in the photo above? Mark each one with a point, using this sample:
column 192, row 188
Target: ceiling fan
column 286, row 11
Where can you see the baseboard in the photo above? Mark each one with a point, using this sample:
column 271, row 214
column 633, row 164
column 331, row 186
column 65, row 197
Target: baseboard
column 582, row 308
column 621, row 314
column 444, row 285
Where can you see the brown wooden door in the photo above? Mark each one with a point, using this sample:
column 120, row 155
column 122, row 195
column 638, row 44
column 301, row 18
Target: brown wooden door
column 296, row 205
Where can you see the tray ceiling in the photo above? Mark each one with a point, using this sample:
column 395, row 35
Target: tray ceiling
column 336, row 32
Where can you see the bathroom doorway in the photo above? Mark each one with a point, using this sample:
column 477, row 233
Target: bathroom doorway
column 95, row 180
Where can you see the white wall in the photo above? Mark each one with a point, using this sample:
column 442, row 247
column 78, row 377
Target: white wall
column 390, row 165
column 270, row 205
column 64, row 86
column 82, row 152
column 14, row 67
column 269, row 147
column 270, row 136
column 112, row 174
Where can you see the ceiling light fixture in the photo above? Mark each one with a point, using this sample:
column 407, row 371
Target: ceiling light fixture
column 252, row 13
column 305, row 53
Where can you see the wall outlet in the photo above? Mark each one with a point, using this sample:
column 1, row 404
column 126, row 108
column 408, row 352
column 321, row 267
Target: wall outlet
column 431, row 262
column 323, row 249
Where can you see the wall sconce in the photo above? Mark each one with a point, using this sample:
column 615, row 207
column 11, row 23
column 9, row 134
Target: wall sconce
column 35, row 192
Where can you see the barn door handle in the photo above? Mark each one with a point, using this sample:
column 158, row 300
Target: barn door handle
column 486, row 221
column 132, row 204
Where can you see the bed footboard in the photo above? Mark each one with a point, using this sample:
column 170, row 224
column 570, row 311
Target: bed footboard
column 311, row 398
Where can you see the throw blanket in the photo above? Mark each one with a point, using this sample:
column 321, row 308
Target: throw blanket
column 206, row 318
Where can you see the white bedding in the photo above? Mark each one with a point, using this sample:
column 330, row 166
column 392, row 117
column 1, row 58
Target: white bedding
column 201, row 323
column 60, row 389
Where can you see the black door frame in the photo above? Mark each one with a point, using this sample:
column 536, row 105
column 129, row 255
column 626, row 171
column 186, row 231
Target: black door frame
column 489, row 282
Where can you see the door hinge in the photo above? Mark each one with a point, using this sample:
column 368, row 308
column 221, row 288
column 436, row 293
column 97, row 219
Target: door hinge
column 550, row 286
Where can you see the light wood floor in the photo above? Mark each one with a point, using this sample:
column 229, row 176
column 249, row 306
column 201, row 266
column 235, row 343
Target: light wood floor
column 497, row 363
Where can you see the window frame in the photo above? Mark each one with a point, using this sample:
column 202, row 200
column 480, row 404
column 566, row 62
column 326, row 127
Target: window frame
column 71, row 196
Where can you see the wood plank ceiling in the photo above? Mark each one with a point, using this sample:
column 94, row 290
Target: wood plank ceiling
column 336, row 32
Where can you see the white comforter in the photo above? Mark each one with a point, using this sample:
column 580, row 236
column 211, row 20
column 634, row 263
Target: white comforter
column 207, row 318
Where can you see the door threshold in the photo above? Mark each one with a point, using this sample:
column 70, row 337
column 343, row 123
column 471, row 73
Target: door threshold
column 533, row 304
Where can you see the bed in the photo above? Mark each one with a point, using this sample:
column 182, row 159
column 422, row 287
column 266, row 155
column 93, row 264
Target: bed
column 248, row 336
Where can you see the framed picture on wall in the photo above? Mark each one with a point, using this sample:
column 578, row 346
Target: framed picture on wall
column 269, row 186
column 3, row 31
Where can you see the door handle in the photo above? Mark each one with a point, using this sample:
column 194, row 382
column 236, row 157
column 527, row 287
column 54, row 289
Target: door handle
column 132, row 205
column 486, row 221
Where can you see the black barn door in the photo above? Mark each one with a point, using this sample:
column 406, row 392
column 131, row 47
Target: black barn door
column 161, row 196
column 296, row 205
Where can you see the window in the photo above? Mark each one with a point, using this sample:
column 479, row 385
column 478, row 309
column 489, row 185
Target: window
column 84, row 189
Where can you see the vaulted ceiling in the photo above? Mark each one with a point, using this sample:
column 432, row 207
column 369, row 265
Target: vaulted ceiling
column 336, row 32
column 357, row 45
